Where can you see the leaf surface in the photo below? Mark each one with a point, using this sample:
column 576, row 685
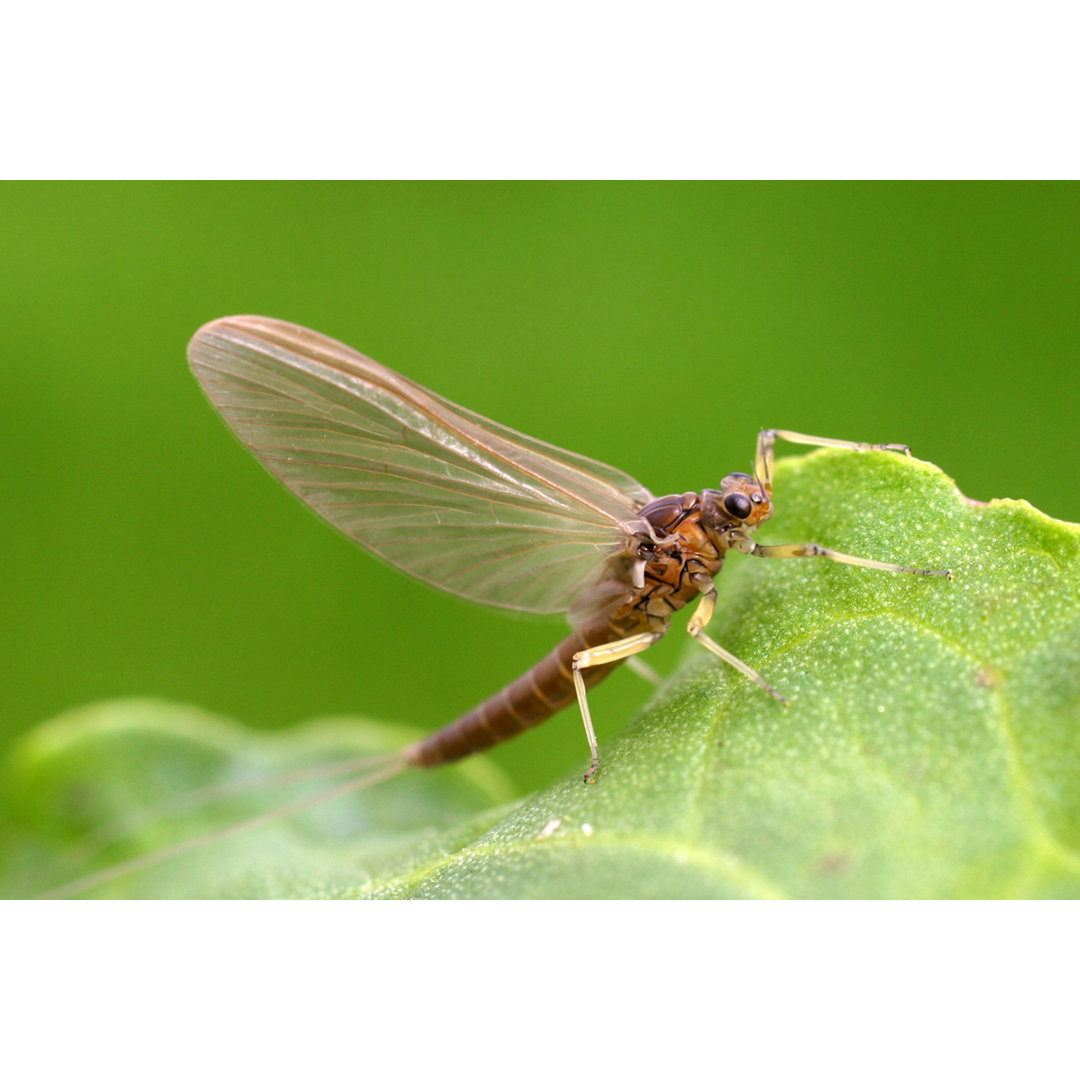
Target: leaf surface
column 932, row 747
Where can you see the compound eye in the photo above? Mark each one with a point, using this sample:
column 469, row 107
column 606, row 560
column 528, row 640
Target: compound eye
column 737, row 504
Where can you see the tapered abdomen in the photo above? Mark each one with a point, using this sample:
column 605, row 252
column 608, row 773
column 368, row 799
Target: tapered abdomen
column 542, row 691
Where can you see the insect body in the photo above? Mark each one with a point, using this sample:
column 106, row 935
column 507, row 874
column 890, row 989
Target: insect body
column 490, row 514
column 669, row 560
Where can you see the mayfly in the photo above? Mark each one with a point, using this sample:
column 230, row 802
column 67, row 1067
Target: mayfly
column 488, row 514
column 492, row 515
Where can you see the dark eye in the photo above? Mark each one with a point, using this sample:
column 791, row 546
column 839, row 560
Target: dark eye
column 737, row 504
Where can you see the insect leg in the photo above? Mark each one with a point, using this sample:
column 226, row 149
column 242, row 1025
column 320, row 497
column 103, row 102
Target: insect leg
column 700, row 619
column 803, row 551
column 610, row 653
column 763, row 461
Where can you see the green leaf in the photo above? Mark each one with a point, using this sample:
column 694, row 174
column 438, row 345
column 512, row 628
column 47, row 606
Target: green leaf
column 931, row 749
column 114, row 782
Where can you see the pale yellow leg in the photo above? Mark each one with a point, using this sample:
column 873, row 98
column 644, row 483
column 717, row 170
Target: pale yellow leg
column 604, row 654
column 804, row 551
column 763, row 468
column 700, row 619
column 763, row 462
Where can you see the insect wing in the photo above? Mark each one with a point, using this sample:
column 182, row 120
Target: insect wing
column 452, row 498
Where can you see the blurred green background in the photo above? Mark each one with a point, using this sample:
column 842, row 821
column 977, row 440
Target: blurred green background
column 653, row 326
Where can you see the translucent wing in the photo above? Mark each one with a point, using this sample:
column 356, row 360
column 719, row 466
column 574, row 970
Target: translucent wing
column 443, row 493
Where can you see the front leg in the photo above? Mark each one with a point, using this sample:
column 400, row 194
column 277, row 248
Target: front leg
column 763, row 461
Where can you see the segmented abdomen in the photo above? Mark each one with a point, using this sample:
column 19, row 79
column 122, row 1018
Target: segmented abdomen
column 543, row 690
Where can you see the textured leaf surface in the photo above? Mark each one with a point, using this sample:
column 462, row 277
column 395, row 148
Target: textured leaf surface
column 932, row 748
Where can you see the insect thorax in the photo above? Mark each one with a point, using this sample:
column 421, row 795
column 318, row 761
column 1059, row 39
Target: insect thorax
column 679, row 551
